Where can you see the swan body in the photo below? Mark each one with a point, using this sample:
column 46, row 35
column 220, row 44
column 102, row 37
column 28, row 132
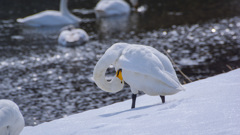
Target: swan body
column 142, row 67
column 11, row 119
column 73, row 37
column 106, row 8
column 51, row 17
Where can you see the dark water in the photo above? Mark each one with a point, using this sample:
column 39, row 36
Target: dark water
column 49, row 81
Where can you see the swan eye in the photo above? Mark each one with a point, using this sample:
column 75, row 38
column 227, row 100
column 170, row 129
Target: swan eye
column 119, row 74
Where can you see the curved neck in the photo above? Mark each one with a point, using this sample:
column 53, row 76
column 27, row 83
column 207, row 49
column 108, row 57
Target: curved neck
column 64, row 10
column 105, row 61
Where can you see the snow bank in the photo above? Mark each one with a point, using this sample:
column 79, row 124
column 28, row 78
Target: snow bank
column 209, row 106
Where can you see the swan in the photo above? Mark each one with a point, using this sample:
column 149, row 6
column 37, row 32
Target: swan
column 11, row 119
column 111, row 26
column 73, row 36
column 50, row 17
column 142, row 67
column 106, row 8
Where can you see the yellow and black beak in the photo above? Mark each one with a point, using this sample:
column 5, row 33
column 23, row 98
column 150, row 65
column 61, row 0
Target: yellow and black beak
column 119, row 74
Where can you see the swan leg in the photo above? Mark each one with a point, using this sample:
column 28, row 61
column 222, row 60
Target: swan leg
column 134, row 96
column 163, row 98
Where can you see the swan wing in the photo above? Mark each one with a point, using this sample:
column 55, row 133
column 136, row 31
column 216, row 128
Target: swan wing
column 142, row 60
column 164, row 59
column 167, row 64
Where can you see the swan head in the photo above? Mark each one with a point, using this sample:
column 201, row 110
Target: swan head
column 114, row 85
column 119, row 75
column 73, row 37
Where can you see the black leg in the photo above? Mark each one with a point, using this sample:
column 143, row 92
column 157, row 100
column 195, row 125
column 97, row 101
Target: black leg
column 163, row 98
column 134, row 96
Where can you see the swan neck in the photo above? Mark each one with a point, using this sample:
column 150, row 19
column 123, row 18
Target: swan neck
column 64, row 7
column 99, row 77
column 100, row 69
column 64, row 10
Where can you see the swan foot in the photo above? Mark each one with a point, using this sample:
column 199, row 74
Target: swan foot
column 163, row 98
column 134, row 96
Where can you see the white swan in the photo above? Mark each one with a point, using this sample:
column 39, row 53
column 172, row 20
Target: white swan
column 50, row 17
column 112, row 26
column 106, row 8
column 142, row 67
column 11, row 119
column 72, row 37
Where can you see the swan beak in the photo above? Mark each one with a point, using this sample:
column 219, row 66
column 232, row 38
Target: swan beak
column 119, row 74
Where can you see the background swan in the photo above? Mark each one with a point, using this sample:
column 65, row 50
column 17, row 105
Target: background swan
column 71, row 36
column 142, row 67
column 50, row 17
column 11, row 119
column 106, row 8
column 109, row 27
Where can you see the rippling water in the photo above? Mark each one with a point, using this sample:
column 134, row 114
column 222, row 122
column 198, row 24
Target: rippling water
column 49, row 81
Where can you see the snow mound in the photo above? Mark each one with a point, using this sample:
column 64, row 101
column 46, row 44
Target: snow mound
column 208, row 106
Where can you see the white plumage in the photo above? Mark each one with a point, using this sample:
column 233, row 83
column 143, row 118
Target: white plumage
column 11, row 119
column 143, row 68
column 106, row 8
column 50, row 17
column 73, row 37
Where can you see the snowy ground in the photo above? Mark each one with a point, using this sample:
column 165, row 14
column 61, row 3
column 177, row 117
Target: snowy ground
column 207, row 107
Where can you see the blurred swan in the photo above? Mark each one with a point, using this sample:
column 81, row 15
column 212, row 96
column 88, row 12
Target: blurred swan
column 106, row 8
column 109, row 27
column 142, row 67
column 11, row 119
column 50, row 17
column 71, row 36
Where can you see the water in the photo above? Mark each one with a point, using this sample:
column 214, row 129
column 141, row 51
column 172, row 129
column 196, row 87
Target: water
column 49, row 81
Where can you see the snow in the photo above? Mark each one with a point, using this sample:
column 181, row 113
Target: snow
column 208, row 106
